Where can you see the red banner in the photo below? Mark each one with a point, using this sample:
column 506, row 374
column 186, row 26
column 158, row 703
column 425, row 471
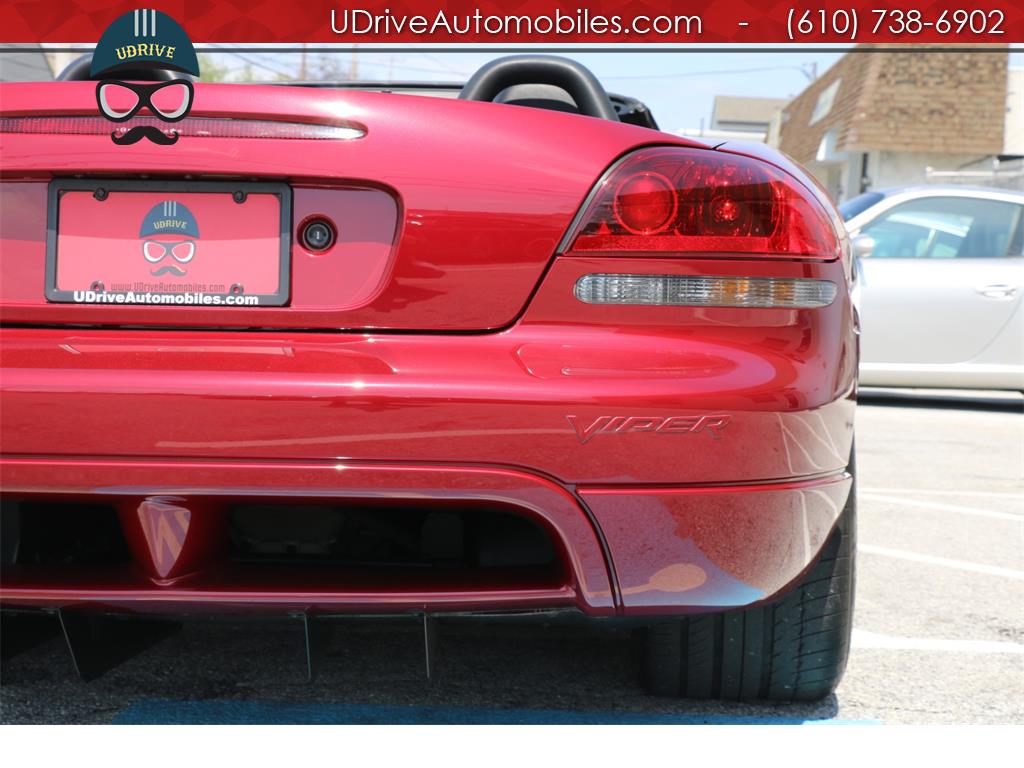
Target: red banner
column 456, row 22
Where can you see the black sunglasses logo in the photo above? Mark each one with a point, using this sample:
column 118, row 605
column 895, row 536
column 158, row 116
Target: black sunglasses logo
column 170, row 101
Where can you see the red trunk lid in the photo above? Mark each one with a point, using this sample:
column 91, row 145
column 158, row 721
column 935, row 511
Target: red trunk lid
column 445, row 213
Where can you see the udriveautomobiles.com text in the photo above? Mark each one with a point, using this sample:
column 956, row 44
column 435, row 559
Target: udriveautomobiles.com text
column 582, row 22
column 131, row 297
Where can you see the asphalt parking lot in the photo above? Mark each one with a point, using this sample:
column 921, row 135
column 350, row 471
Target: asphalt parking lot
column 938, row 638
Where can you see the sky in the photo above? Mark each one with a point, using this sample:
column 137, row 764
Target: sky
column 679, row 88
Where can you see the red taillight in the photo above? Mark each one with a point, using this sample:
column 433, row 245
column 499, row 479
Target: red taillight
column 645, row 203
column 666, row 200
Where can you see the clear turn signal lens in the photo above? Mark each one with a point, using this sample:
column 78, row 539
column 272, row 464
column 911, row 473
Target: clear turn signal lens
column 704, row 291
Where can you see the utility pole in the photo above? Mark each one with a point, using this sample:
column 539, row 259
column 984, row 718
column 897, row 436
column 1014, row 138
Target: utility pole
column 302, row 63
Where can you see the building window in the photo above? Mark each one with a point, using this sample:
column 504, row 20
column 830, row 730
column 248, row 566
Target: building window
column 825, row 101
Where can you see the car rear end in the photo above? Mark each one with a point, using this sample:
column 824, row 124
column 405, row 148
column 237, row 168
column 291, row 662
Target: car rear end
column 529, row 362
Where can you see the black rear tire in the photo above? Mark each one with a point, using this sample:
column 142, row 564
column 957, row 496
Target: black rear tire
column 793, row 649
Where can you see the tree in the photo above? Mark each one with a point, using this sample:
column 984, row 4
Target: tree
column 213, row 70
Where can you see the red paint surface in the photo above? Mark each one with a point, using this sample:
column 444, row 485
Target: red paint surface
column 760, row 536
column 476, row 230
column 782, row 377
column 438, row 232
column 208, row 485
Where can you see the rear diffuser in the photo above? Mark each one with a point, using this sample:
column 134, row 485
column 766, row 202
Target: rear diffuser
column 99, row 642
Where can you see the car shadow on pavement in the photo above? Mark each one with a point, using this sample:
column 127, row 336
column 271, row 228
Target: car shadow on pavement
column 982, row 400
column 249, row 672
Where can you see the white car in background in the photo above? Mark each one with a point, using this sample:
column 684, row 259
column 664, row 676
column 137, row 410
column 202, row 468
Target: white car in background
column 940, row 276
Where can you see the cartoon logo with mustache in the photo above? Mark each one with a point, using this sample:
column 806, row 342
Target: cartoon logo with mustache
column 144, row 45
column 169, row 234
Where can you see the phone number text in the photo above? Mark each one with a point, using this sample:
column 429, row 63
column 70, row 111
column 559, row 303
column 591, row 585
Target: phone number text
column 847, row 23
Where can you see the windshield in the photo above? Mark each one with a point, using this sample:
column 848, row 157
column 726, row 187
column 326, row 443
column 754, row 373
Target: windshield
column 859, row 204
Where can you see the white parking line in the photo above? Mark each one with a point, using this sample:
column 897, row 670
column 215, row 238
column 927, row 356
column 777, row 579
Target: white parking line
column 864, row 639
column 941, row 507
column 920, row 492
column 961, row 565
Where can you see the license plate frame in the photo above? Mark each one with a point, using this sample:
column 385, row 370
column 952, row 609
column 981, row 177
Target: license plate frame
column 105, row 187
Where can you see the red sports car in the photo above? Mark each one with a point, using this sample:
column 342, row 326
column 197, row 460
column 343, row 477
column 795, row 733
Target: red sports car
column 342, row 352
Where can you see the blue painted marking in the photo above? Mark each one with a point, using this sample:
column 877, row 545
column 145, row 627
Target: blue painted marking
column 162, row 711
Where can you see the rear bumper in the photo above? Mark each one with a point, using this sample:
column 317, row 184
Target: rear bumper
column 682, row 460
column 629, row 552
column 746, row 396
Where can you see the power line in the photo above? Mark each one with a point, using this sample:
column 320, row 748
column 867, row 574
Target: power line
column 809, row 70
column 802, row 68
column 447, row 67
column 411, row 68
column 247, row 60
column 397, row 66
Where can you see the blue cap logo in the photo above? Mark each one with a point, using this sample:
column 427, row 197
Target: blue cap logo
column 144, row 39
column 168, row 233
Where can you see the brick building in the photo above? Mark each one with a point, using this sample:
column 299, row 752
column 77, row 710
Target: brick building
column 882, row 119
